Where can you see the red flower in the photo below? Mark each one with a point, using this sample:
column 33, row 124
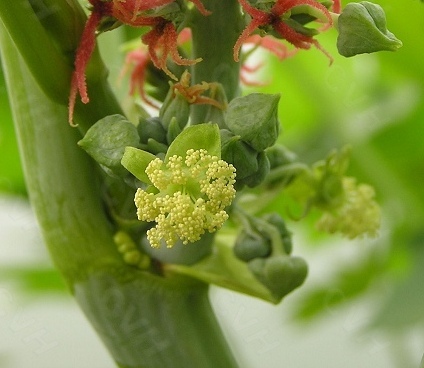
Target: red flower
column 161, row 40
column 138, row 60
column 273, row 18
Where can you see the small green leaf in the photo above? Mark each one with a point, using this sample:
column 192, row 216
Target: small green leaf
column 362, row 29
column 200, row 136
column 106, row 140
column 255, row 119
column 136, row 161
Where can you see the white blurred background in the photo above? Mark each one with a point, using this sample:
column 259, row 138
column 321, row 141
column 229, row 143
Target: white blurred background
column 47, row 330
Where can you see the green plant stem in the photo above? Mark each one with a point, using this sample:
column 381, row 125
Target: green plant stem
column 145, row 320
column 214, row 37
column 47, row 53
column 149, row 323
column 36, row 47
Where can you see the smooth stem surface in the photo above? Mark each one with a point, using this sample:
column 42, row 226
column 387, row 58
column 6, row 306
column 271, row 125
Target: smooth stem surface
column 155, row 323
column 214, row 37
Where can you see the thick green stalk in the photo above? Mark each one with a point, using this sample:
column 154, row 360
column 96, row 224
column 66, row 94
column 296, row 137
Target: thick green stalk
column 214, row 37
column 149, row 322
column 45, row 36
column 145, row 320
column 51, row 69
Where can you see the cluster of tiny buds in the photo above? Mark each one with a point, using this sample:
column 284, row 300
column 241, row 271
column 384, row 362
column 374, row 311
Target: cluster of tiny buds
column 358, row 215
column 190, row 197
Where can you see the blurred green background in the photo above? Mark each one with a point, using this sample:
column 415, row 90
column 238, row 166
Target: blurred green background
column 376, row 104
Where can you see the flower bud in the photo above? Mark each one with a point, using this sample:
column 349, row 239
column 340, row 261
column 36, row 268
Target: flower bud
column 362, row 29
column 255, row 119
column 279, row 155
column 281, row 274
column 263, row 169
column 130, row 254
column 213, row 113
column 238, row 153
column 276, row 220
column 176, row 111
column 151, row 128
column 249, row 246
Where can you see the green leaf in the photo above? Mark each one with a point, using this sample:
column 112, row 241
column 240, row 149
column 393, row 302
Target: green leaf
column 362, row 29
column 136, row 161
column 106, row 140
column 255, row 118
column 201, row 136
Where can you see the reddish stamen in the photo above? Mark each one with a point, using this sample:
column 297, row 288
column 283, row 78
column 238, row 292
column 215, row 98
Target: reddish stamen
column 83, row 54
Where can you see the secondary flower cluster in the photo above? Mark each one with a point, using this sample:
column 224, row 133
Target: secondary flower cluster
column 358, row 214
column 189, row 197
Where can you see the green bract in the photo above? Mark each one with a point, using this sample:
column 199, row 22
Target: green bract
column 174, row 114
column 255, row 119
column 263, row 169
column 201, row 136
column 136, row 161
column 106, row 140
column 239, row 153
column 362, row 29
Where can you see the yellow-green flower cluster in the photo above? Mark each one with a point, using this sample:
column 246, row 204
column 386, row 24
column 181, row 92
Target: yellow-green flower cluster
column 358, row 214
column 189, row 197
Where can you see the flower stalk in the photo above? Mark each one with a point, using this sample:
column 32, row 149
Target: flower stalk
column 214, row 37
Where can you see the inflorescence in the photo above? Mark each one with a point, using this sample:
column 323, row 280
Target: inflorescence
column 188, row 197
column 358, row 215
